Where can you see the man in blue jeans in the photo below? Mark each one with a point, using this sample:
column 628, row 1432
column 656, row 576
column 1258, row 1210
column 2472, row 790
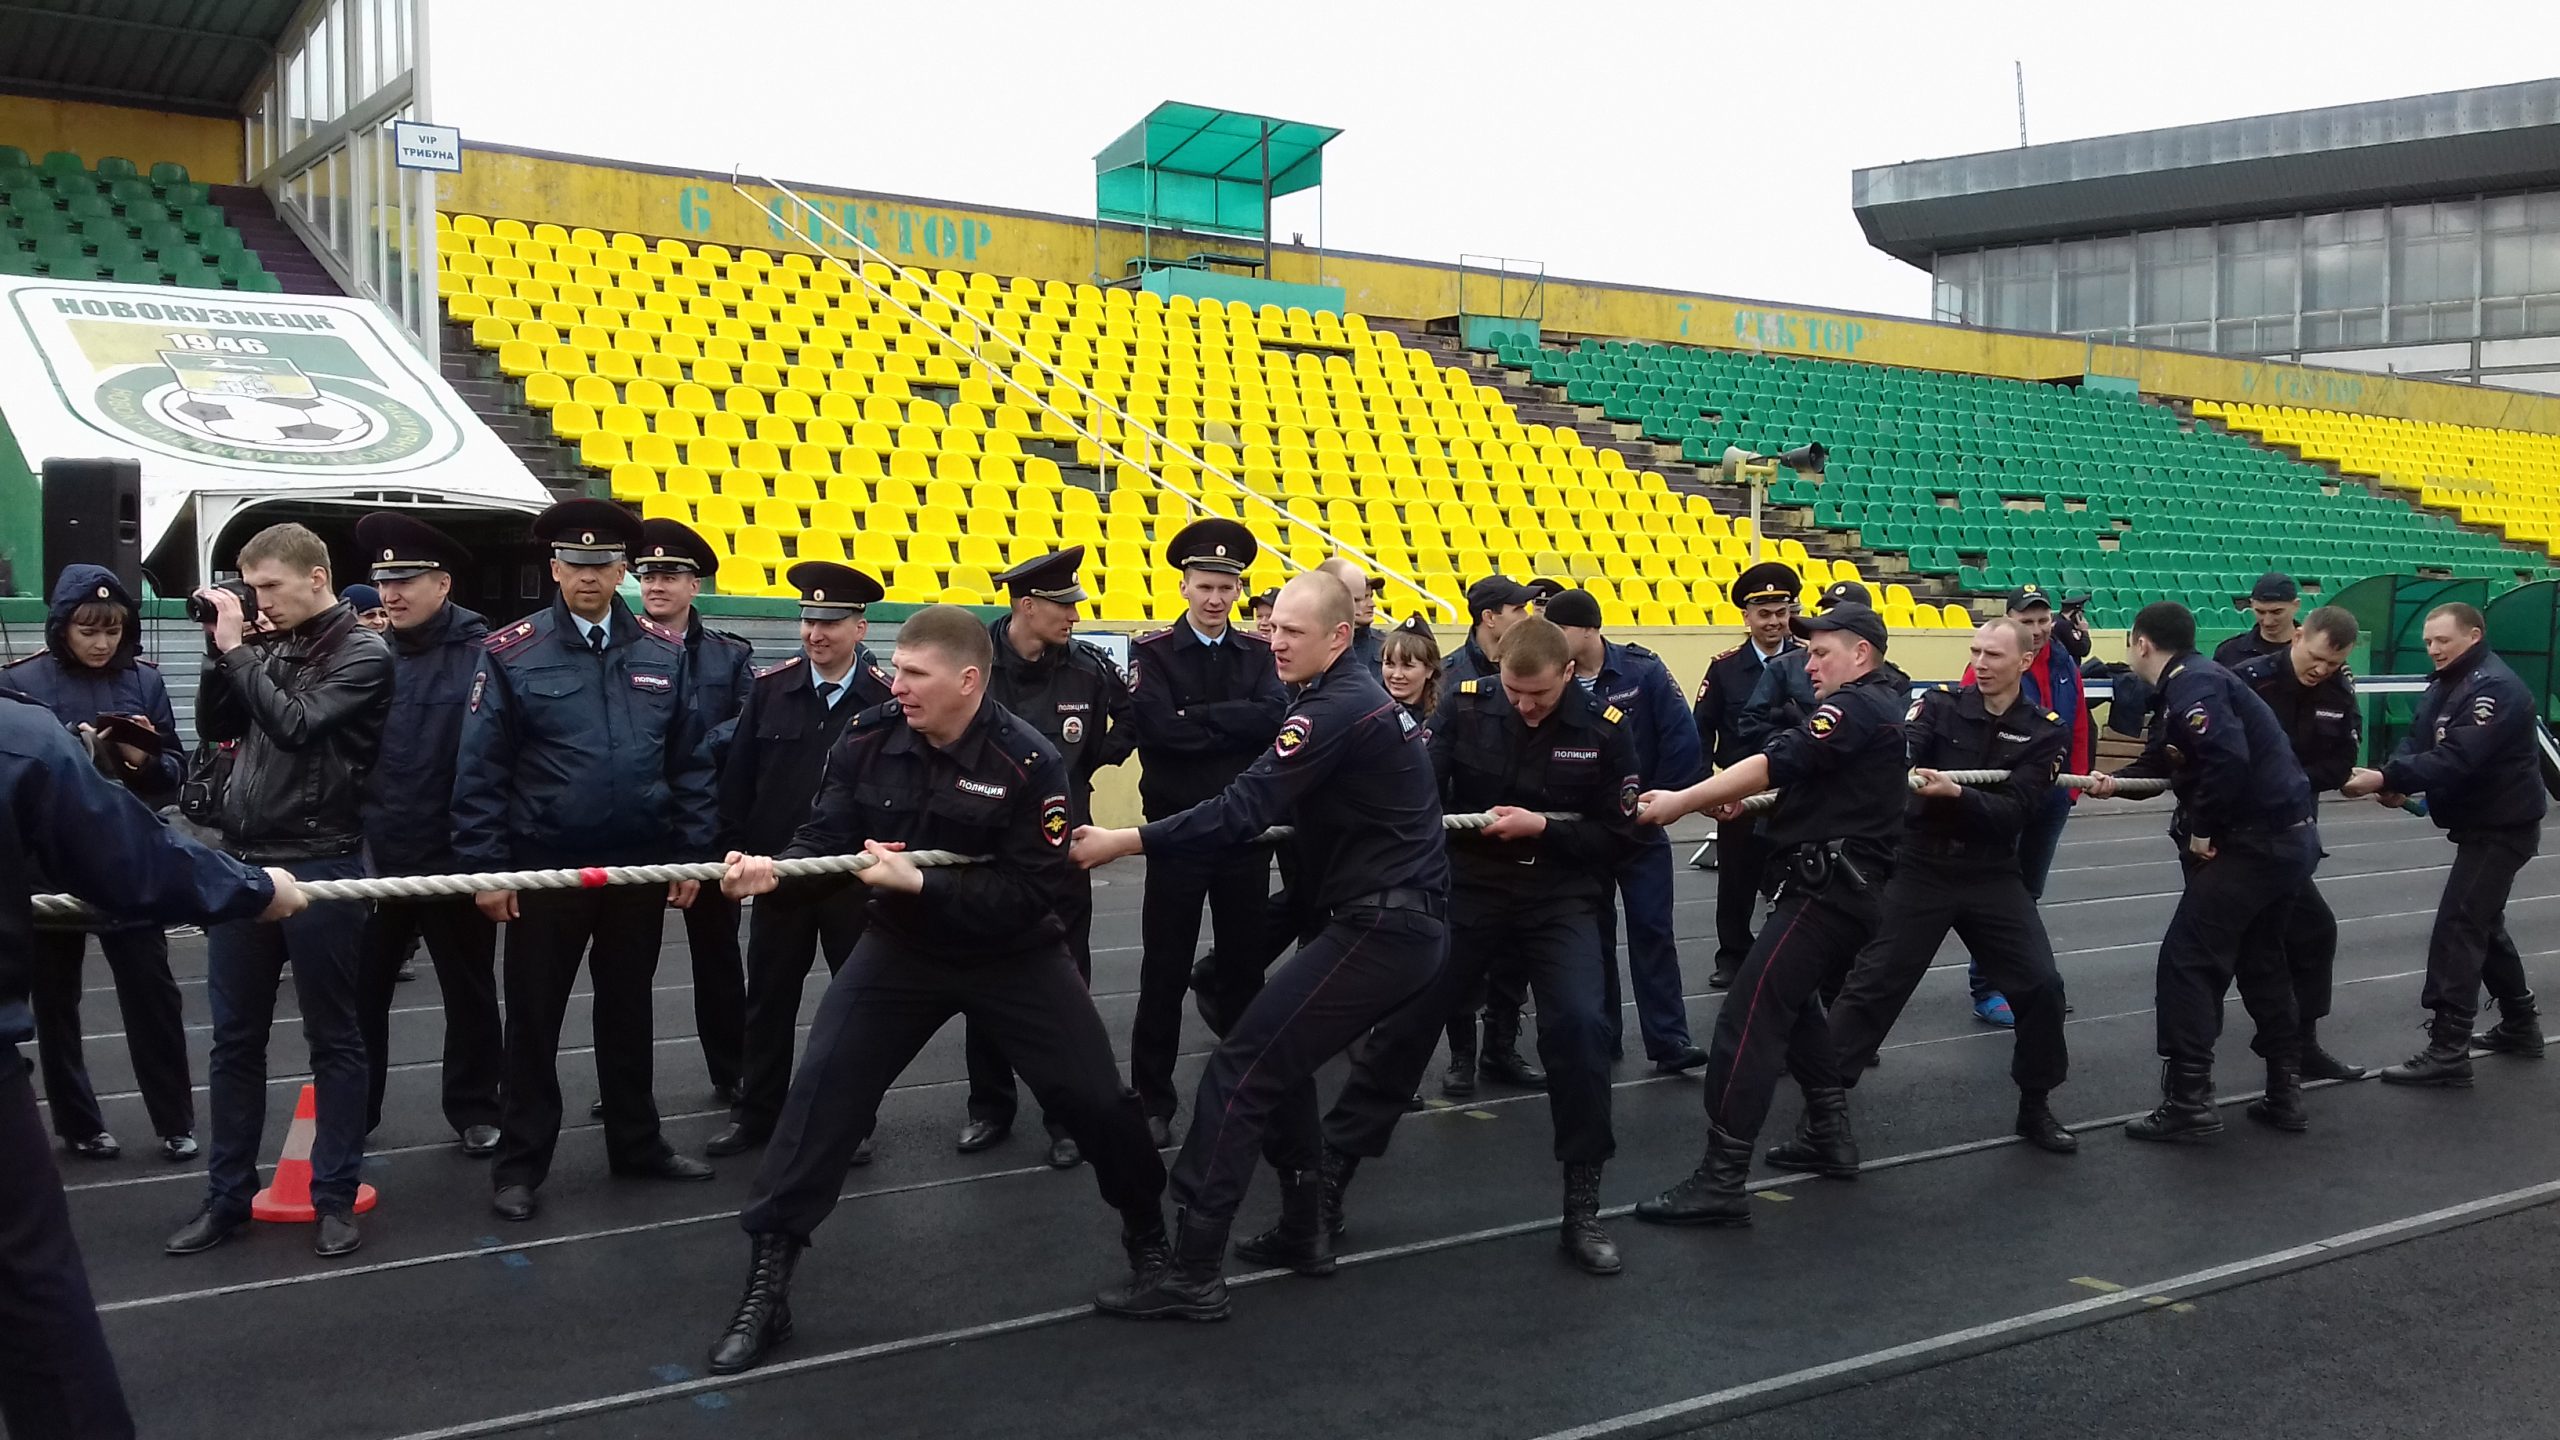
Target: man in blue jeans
column 2051, row 681
column 304, row 690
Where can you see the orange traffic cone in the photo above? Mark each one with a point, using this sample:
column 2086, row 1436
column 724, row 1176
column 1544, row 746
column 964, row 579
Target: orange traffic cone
column 288, row 1201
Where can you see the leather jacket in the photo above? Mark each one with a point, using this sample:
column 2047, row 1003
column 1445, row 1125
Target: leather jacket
column 308, row 707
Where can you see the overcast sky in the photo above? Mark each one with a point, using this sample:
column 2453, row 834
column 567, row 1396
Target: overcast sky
column 1705, row 147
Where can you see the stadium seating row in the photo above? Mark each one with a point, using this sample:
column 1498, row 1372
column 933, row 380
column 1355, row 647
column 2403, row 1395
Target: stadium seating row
column 787, row 411
column 1999, row 482
column 2507, row 479
column 65, row 221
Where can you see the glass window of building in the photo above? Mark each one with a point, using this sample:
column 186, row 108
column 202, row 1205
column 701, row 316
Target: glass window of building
column 2520, row 265
column 1957, row 291
column 2435, row 256
column 2018, row 288
column 2095, row 280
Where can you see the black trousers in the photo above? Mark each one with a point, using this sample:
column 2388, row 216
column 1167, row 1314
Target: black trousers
column 155, row 1029
column 719, row 984
column 616, row 929
column 992, row 1094
column 2230, row 924
column 1556, row 945
column 2310, row 952
column 1741, row 854
column 56, row 1374
column 1258, row 1094
column 463, row 944
column 1236, row 886
column 1772, row 1017
column 785, row 931
column 1985, row 902
column 2470, row 944
column 882, row 1007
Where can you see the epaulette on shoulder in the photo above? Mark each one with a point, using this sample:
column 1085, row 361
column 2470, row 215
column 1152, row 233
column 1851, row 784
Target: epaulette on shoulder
column 1943, row 688
column 1470, row 687
column 1635, row 649
column 1727, row 655
column 498, row 642
column 146, row 660
column 731, row 637
column 25, row 660
column 875, row 717
column 662, row 633
column 778, row 667
column 2054, row 715
column 1149, row 637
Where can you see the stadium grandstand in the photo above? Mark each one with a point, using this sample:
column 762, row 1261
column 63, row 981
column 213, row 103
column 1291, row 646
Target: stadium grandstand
column 246, row 277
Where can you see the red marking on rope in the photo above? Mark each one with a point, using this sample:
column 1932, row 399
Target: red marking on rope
column 592, row 877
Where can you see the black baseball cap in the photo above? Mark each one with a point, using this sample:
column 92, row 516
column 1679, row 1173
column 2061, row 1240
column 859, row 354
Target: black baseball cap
column 1577, row 608
column 1845, row 592
column 1495, row 592
column 1858, row 620
column 2273, row 586
column 2027, row 597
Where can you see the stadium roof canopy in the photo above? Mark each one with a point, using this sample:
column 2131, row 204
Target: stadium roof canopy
column 1202, row 168
column 2460, row 142
column 193, row 55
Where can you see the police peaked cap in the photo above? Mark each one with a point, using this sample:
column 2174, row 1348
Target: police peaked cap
column 672, row 546
column 1050, row 577
column 830, row 590
column 1768, row 581
column 1213, row 544
column 588, row 532
column 399, row 547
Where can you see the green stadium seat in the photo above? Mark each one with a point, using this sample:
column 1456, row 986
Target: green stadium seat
column 165, row 173
column 115, row 167
column 63, row 165
column 13, row 158
column 184, row 194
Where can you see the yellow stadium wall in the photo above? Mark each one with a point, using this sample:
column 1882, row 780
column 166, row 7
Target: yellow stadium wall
column 1928, row 657
column 208, row 146
column 574, row 190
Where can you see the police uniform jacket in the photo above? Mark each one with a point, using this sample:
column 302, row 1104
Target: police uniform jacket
column 2322, row 720
column 721, row 665
column 127, row 684
column 780, row 749
column 2223, row 753
column 1351, row 770
column 1370, row 644
column 1659, row 725
column 1074, row 696
column 1579, row 761
column 408, row 802
column 1203, row 712
column 1468, row 662
column 1948, row 728
column 570, row 757
column 2472, row 751
column 1723, row 693
column 999, row 791
column 2247, row 645
column 61, row 820
column 1785, row 696
column 1843, row 776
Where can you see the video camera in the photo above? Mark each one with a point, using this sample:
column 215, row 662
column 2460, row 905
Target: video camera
column 201, row 611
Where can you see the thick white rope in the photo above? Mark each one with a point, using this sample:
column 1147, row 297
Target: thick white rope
column 69, row 910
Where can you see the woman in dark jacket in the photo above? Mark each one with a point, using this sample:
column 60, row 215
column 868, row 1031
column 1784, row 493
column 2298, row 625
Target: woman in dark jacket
column 91, row 674
column 1409, row 666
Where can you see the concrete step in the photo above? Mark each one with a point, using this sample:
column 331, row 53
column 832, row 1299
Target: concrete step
column 281, row 251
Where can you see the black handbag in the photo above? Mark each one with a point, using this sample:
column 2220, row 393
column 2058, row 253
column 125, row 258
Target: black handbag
column 208, row 776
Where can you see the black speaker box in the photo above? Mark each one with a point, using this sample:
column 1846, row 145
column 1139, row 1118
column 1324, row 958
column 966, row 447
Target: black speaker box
column 93, row 515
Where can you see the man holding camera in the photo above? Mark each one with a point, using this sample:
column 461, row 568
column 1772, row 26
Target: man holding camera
column 306, row 700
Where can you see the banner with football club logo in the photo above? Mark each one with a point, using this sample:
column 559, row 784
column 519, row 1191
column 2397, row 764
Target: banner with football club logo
column 214, row 390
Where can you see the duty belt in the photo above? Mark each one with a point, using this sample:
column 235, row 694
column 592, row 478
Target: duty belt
column 1399, row 897
column 1949, row 847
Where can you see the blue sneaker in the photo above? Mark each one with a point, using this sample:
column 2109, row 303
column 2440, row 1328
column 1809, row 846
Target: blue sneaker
column 1993, row 1009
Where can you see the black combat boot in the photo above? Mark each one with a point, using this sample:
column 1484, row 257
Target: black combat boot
column 2518, row 1031
column 2445, row 1061
column 764, row 1312
column 2186, row 1106
column 1298, row 1242
column 1334, row 1170
column 1460, row 1081
column 1713, row 1193
column 2319, row 1064
column 2281, row 1106
column 2037, row 1126
column 1502, row 1059
column 1580, row 1237
column 1192, row 1285
column 1822, row 1143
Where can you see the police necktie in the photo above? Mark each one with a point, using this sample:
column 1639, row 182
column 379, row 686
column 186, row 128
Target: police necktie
column 595, row 638
column 827, row 693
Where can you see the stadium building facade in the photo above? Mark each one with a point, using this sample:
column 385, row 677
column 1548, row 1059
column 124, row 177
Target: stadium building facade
column 2418, row 236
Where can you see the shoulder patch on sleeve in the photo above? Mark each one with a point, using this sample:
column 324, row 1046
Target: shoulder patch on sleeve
column 509, row 638
column 1292, row 737
column 1053, row 819
column 2484, row 708
column 1824, row 720
column 1919, row 703
column 779, row 667
column 2199, row 719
